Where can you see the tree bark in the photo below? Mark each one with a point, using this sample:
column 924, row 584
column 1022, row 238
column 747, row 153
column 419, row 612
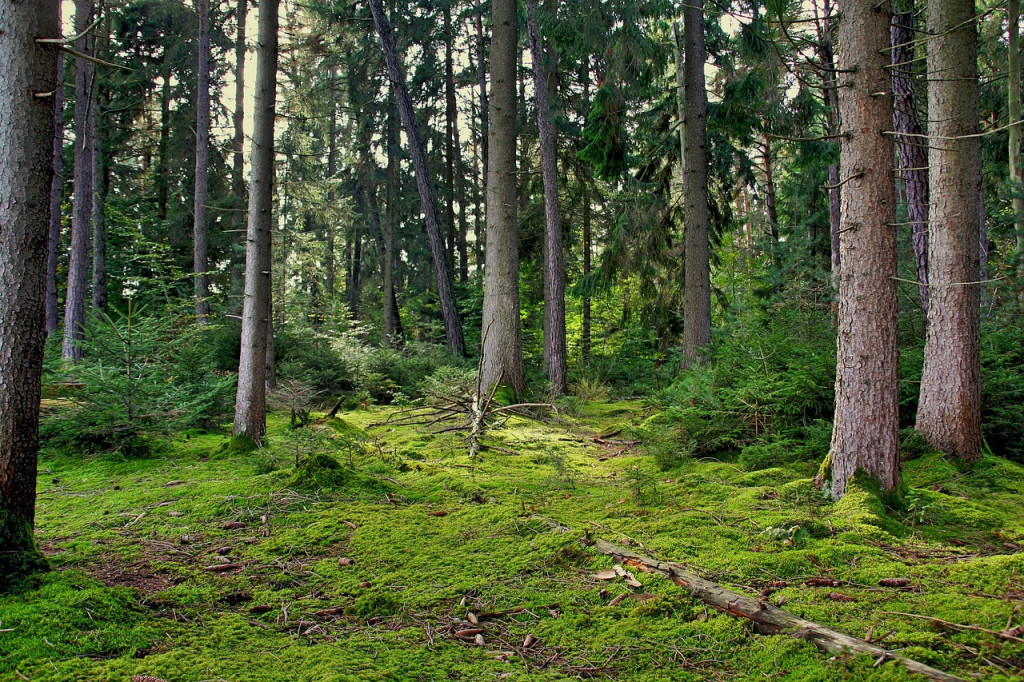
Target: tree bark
column 585, row 336
column 912, row 154
column 450, row 123
column 237, row 275
column 78, row 267
column 56, row 196
column 949, row 411
column 332, row 171
column 163, row 146
column 554, row 264
column 502, row 355
column 831, row 97
column 769, row 200
column 250, row 400
column 697, row 296
column 99, row 208
column 428, row 200
column 481, row 78
column 391, row 322
column 200, row 225
column 1016, row 134
column 865, row 434
column 27, row 82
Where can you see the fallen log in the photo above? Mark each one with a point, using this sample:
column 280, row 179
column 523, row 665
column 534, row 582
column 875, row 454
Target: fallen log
column 767, row 618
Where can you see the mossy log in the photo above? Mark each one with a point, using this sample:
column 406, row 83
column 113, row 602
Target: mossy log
column 767, row 619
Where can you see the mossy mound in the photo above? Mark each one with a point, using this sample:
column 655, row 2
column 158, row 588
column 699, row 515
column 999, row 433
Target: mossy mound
column 323, row 472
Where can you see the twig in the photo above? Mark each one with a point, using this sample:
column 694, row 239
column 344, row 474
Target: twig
column 958, row 626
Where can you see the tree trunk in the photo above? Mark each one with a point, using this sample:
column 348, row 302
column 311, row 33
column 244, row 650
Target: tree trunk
column 585, row 337
column 332, row 170
column 78, row 267
column 865, row 434
column 831, row 96
column 554, row 265
column 1016, row 166
column 913, row 157
column 99, row 209
column 27, row 81
column 481, row 78
column 428, row 201
column 56, row 196
column 949, row 411
column 200, row 226
column 450, row 123
column 165, row 135
column 769, row 200
column 250, row 401
column 391, row 322
column 502, row 358
column 237, row 275
column 697, row 297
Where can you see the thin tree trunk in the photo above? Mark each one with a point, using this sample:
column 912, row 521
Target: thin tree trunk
column 390, row 306
column 554, row 265
column 502, row 357
column 484, row 111
column 833, row 125
column 165, row 136
column 200, row 226
column 769, row 200
column 428, row 201
column 26, row 174
column 332, row 171
column 76, row 302
column 865, row 434
column 450, row 122
column 238, row 166
column 1016, row 165
column 56, row 197
column 697, row 297
column 912, row 155
column 250, row 400
column 949, row 411
column 585, row 340
column 680, row 60
column 99, row 209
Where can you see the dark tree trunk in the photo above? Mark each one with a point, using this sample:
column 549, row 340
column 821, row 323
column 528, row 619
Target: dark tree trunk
column 450, row 123
column 237, row 275
column 912, row 152
column 554, row 264
column 769, row 199
column 26, row 172
column 391, row 320
column 76, row 302
column 56, row 197
column 585, row 340
column 502, row 360
column 697, row 297
column 865, row 435
column 200, row 226
column 250, row 401
column 833, row 123
column 481, row 79
column 949, row 411
column 332, row 170
column 165, row 136
column 428, row 200
column 1015, row 132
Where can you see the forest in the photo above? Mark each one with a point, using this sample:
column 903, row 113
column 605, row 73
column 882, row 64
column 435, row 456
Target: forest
column 511, row 339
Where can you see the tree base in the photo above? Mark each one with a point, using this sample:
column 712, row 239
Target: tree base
column 20, row 559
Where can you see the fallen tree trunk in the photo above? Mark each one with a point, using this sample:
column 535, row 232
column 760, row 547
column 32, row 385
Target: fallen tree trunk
column 767, row 619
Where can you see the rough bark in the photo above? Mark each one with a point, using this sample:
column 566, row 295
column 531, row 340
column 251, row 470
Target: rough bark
column 200, row 225
column 1016, row 134
column 27, row 81
column 697, row 296
column 428, row 201
column 76, row 302
column 502, row 355
column 391, row 322
column 481, row 78
column 912, row 152
column 237, row 275
column 949, row 411
column 554, row 262
column 865, row 434
column 250, row 400
column 56, row 197
column 768, row 619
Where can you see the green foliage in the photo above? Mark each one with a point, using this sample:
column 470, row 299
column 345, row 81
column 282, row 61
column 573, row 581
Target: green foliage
column 141, row 374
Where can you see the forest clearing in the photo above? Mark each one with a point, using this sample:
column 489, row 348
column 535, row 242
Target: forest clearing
column 511, row 339
column 382, row 575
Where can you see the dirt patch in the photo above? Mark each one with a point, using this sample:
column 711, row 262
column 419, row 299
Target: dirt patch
column 140, row 576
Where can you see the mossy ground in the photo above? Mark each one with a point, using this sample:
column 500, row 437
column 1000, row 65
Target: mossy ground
column 432, row 535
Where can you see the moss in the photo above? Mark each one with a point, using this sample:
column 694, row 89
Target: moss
column 240, row 444
column 20, row 558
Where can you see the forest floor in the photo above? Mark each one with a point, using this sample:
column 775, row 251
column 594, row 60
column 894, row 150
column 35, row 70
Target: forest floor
column 199, row 563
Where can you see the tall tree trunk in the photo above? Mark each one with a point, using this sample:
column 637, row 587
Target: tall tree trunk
column 56, row 196
column 585, row 338
column 355, row 264
column 1016, row 165
column 391, row 322
column 680, row 60
column 428, row 200
column 332, row 170
column 250, row 400
column 237, row 275
column 502, row 360
column 912, row 154
column 26, row 171
column 554, row 265
column 769, row 200
column 200, row 226
column 450, row 123
column 163, row 146
column 99, row 208
column 865, row 434
column 78, row 267
column 697, row 297
column 949, row 411
column 832, row 128
column 484, row 110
